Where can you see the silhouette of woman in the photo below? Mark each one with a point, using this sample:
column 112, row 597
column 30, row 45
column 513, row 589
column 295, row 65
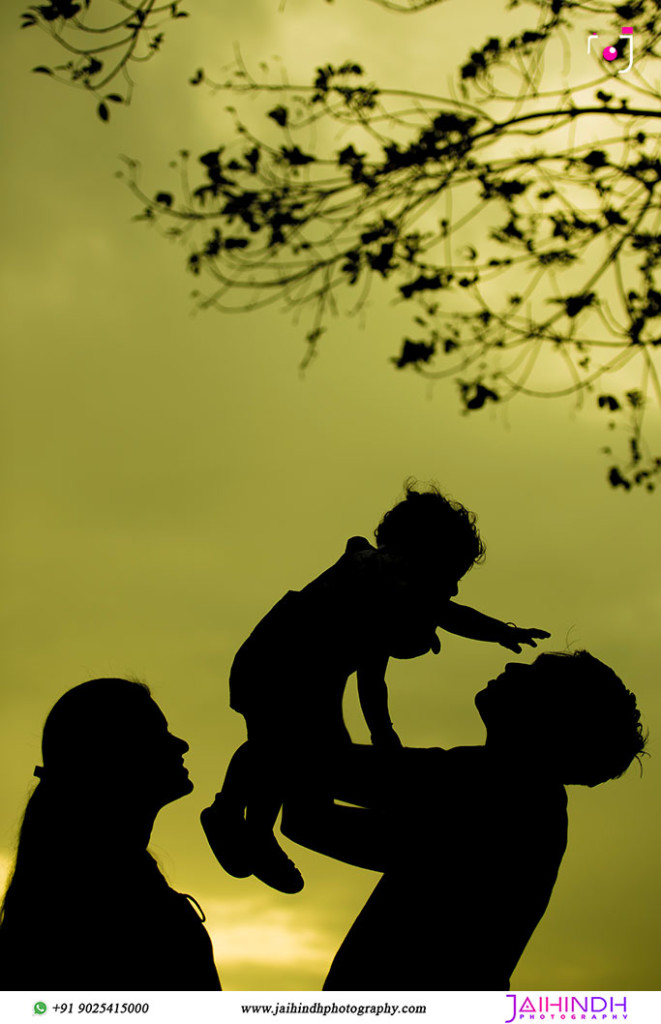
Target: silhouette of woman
column 87, row 907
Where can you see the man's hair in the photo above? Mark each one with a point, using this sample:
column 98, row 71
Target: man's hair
column 428, row 527
column 600, row 727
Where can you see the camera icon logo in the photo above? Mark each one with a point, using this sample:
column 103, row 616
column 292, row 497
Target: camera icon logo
column 611, row 53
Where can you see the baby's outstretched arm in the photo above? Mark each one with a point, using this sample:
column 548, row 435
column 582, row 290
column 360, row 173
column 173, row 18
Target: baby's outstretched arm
column 373, row 696
column 465, row 621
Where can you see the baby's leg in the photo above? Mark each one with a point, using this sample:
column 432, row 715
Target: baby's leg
column 224, row 822
column 264, row 785
column 269, row 781
column 251, row 787
column 237, row 783
column 298, row 771
column 239, row 823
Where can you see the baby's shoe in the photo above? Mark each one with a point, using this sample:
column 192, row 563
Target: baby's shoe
column 227, row 834
column 272, row 866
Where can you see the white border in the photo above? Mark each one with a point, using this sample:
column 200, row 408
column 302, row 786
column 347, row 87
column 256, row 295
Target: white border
column 315, row 1007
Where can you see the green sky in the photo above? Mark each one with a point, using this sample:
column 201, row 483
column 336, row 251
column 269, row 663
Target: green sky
column 167, row 477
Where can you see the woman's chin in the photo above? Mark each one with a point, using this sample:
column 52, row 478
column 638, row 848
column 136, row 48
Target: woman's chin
column 181, row 786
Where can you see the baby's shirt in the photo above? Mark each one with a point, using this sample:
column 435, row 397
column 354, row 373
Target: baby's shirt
column 359, row 610
column 374, row 603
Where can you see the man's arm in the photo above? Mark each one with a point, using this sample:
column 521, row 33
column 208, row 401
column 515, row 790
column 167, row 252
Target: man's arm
column 363, row 835
column 354, row 835
column 389, row 786
column 465, row 621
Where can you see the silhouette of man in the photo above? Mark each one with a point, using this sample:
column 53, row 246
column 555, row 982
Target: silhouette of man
column 470, row 839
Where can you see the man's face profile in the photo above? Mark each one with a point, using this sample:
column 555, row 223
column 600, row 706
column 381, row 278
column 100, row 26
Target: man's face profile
column 524, row 706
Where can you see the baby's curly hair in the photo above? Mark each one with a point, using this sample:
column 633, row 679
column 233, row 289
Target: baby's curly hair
column 429, row 527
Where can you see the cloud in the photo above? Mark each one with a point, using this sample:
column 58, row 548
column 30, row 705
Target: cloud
column 6, row 865
column 249, row 931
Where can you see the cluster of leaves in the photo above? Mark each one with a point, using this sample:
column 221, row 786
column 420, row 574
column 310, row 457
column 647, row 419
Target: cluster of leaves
column 624, row 12
column 407, row 6
column 545, row 247
column 99, row 54
column 525, row 252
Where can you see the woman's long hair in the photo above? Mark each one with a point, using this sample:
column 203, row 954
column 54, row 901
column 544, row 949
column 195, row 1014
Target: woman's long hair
column 87, row 907
column 80, row 747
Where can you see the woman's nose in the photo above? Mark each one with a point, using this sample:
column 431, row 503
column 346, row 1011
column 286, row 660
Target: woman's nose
column 181, row 743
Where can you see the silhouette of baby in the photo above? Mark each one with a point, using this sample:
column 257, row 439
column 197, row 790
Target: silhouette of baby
column 289, row 676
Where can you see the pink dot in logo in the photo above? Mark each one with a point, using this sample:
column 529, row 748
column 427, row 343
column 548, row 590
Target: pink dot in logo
column 610, row 53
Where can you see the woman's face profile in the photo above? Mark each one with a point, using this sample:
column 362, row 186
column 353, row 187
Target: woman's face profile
column 109, row 738
column 156, row 760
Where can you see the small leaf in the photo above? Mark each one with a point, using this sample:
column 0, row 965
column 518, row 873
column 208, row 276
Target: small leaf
column 616, row 479
column 41, row 70
column 279, row 115
column 114, row 97
column 475, row 395
column 352, row 266
column 426, row 283
column 575, row 303
column 103, row 111
column 252, row 159
column 596, row 158
column 49, row 13
column 414, row 352
column 165, row 198
column 295, row 157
